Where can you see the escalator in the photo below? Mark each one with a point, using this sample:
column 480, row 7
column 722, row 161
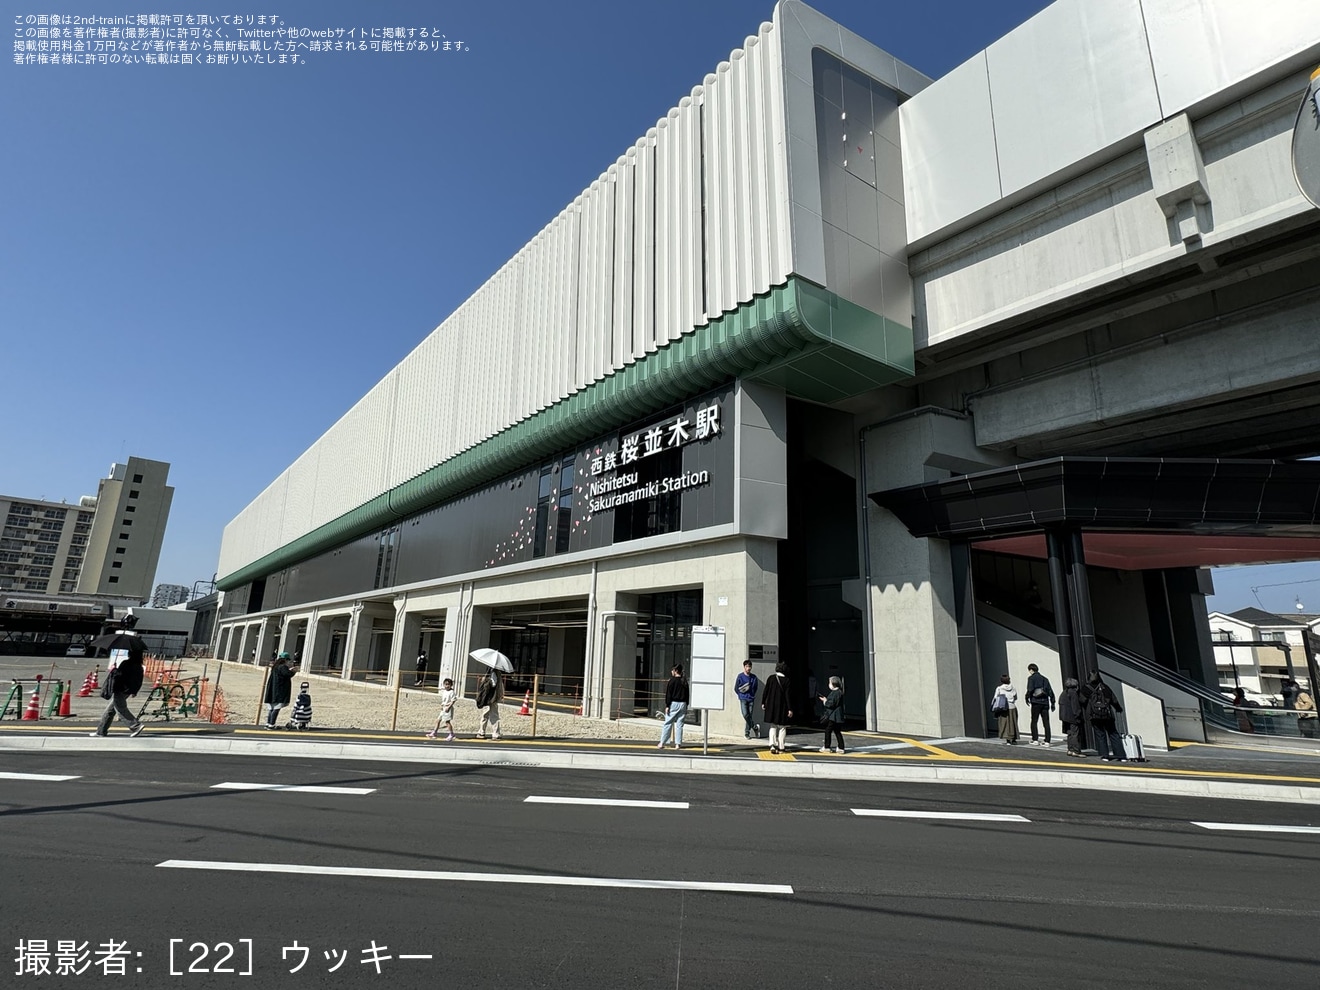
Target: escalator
column 1191, row 711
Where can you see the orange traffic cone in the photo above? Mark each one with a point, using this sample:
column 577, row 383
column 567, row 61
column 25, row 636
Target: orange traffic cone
column 89, row 685
column 66, row 701
column 33, row 712
column 96, row 678
column 527, row 701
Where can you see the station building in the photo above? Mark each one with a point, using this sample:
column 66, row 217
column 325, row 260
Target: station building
column 900, row 379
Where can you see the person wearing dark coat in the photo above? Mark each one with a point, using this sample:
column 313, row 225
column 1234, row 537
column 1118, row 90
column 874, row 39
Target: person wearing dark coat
column 1040, row 699
column 1070, row 715
column 778, row 707
column 676, row 703
column 1101, row 706
column 279, row 687
column 833, row 717
column 123, row 679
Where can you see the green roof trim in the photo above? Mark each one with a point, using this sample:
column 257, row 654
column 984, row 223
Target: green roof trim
column 798, row 336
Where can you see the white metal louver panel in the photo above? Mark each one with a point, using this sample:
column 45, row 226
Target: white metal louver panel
column 644, row 246
column 625, row 268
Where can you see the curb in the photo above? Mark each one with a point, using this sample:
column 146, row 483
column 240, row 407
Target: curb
column 929, row 773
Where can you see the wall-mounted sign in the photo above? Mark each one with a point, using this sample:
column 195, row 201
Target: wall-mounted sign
column 618, row 474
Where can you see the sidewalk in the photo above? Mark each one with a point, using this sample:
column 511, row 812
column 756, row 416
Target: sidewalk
column 1190, row 771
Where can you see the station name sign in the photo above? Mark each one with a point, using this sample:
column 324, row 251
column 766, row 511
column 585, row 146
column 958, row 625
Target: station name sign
column 612, row 487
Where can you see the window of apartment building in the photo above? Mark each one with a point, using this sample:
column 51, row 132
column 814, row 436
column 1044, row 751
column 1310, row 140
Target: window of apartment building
column 137, row 479
column 20, row 510
column 117, row 563
column 123, row 536
column 53, row 524
column 34, row 585
column 83, row 528
column 78, row 541
column 55, row 514
column 114, row 580
column 44, row 559
column 68, row 587
column 130, row 508
column 85, row 517
column 38, row 572
column 133, row 493
column 127, row 522
column 70, row 574
column 1272, row 636
column 542, row 511
column 121, row 549
column 8, row 570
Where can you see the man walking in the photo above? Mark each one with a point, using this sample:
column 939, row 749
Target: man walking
column 1040, row 696
column 745, row 687
column 421, row 669
column 123, row 678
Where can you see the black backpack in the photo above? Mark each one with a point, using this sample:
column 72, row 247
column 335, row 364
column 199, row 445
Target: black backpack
column 485, row 693
column 1101, row 704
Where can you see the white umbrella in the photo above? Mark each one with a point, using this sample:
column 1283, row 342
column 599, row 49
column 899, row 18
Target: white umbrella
column 493, row 659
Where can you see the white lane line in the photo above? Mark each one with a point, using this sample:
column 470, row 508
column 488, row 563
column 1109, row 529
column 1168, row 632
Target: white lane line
column 522, row 878
column 38, row 776
column 1242, row 827
column 952, row 816
column 303, row 788
column 609, row 802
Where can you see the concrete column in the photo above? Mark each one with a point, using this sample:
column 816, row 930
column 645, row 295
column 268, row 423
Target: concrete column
column 916, row 676
column 476, row 638
column 267, row 633
column 403, row 644
column 359, row 640
column 222, row 642
column 616, row 643
column 318, row 644
column 315, row 638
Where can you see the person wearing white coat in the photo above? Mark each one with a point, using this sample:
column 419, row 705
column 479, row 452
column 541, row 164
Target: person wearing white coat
column 1004, row 706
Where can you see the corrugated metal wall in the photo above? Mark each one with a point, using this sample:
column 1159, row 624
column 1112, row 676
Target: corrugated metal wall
column 629, row 266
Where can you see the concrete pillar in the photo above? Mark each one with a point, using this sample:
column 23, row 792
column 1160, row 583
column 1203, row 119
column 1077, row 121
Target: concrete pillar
column 318, row 644
column 477, row 637
column 403, row 644
column 616, row 643
column 267, row 634
column 916, row 678
column 315, row 639
column 359, row 640
column 222, row 642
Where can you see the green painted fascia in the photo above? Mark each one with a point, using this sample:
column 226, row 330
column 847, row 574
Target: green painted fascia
column 798, row 336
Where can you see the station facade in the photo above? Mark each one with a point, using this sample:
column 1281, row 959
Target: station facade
column 713, row 389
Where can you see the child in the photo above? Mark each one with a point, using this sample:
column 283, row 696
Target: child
column 447, row 699
column 302, row 709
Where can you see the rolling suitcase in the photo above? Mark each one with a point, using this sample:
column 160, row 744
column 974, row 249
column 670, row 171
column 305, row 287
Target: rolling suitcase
column 1132, row 749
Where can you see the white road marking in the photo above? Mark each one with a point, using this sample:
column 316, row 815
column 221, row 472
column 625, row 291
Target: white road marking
column 1241, row 827
column 610, row 802
column 952, row 816
column 38, row 776
column 521, row 878
column 303, row 788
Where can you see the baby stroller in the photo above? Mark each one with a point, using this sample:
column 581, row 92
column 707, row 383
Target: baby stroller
column 301, row 717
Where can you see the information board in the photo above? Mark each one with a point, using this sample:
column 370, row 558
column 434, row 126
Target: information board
column 707, row 681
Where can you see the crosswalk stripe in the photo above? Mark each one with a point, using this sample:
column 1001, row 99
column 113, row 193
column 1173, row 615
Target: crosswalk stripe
column 608, row 802
column 302, row 788
column 952, row 816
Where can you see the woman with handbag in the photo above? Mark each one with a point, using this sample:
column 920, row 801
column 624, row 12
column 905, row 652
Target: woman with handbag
column 833, row 717
column 1003, row 706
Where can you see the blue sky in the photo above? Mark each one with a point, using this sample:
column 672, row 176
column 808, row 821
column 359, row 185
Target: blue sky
column 208, row 265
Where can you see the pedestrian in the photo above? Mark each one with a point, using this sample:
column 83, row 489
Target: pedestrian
column 1240, row 705
column 1101, row 707
column 778, row 706
column 1304, row 704
column 279, row 686
column 1070, row 716
column 421, row 669
column 833, row 717
column 1290, row 690
column 745, row 687
column 1040, row 699
column 123, row 678
column 446, row 716
column 676, row 702
column 489, row 695
column 1003, row 704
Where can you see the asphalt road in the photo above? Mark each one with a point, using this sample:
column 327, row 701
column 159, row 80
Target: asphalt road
column 1094, row 889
